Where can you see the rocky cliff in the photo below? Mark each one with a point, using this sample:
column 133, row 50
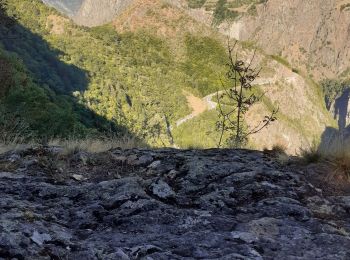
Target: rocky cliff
column 312, row 35
column 166, row 204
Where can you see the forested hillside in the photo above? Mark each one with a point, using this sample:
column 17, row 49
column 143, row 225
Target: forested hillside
column 34, row 101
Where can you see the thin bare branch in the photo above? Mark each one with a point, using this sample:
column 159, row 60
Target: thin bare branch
column 242, row 76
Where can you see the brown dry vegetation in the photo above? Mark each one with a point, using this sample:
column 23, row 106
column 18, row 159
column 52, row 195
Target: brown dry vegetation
column 56, row 24
column 197, row 104
column 73, row 145
column 330, row 162
column 160, row 18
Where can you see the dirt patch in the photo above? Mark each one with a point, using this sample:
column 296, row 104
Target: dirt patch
column 158, row 17
column 197, row 104
column 56, row 24
column 242, row 9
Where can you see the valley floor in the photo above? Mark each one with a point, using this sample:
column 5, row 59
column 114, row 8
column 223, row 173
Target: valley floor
column 166, row 204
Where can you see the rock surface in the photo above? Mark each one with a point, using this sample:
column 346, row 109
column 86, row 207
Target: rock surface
column 165, row 204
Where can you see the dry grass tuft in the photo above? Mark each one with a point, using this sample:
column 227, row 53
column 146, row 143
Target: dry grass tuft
column 4, row 148
column 73, row 145
column 279, row 149
column 94, row 145
column 335, row 151
column 13, row 130
column 341, row 167
column 311, row 154
column 279, row 152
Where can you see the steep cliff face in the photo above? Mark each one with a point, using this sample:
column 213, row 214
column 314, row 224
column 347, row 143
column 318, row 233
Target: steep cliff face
column 93, row 13
column 312, row 35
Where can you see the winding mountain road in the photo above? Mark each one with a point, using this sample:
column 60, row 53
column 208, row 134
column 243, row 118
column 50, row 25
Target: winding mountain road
column 201, row 105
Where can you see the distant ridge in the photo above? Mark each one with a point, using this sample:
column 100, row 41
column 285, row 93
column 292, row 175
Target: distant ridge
column 94, row 13
column 68, row 7
column 90, row 12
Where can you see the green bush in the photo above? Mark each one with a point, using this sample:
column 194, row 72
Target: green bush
column 222, row 13
column 196, row 3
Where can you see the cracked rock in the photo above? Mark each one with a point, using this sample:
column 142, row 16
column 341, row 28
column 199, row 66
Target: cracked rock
column 162, row 190
column 167, row 204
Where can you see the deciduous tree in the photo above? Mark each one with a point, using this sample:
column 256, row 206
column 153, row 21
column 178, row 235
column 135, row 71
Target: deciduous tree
column 234, row 102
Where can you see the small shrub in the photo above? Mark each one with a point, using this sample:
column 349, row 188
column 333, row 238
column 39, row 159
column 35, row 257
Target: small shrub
column 341, row 166
column 222, row 13
column 279, row 149
column 295, row 70
column 196, row 3
column 310, row 155
column 345, row 7
column 241, row 96
column 335, row 152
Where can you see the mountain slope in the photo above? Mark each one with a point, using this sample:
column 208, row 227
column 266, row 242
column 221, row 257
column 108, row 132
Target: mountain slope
column 298, row 121
column 311, row 35
column 29, row 110
column 141, row 66
column 313, row 38
column 35, row 99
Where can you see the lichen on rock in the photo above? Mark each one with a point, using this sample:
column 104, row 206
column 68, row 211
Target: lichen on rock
column 176, row 204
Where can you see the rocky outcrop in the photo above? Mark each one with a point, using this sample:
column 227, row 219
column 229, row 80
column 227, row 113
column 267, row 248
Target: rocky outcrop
column 165, row 204
column 313, row 35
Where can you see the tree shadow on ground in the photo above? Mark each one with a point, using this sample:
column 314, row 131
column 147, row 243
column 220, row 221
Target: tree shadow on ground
column 331, row 136
column 334, row 140
column 43, row 61
column 341, row 109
